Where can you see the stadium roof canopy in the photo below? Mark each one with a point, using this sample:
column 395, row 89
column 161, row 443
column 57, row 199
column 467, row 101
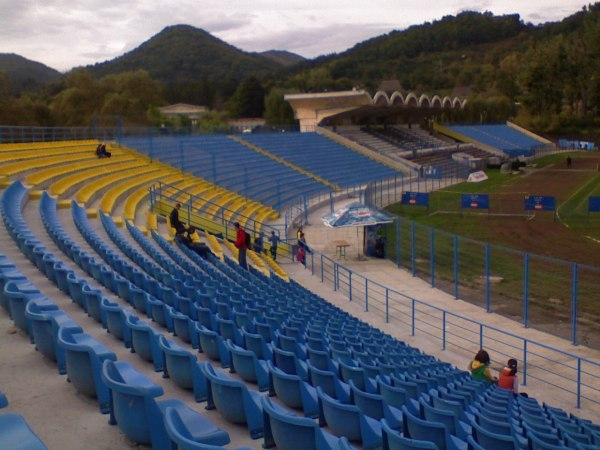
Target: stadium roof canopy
column 351, row 107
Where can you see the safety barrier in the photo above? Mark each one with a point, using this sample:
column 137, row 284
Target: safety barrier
column 542, row 364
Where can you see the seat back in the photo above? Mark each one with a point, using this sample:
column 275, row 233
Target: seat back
column 424, row 430
column 489, row 440
column 393, row 440
column 133, row 401
column 286, row 431
column 342, row 419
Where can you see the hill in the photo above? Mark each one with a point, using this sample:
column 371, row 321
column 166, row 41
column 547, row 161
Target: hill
column 25, row 74
column 183, row 53
column 282, row 57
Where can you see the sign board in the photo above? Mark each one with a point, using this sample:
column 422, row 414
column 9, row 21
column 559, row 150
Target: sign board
column 594, row 204
column 475, row 201
column 432, row 172
column 540, row 203
column 415, row 198
column 477, row 177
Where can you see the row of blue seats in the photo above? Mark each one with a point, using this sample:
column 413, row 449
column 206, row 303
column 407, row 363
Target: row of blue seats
column 323, row 157
column 177, row 361
column 240, row 353
column 84, row 355
column 57, row 336
column 240, row 168
column 510, row 141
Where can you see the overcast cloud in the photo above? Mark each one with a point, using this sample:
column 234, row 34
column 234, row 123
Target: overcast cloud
column 63, row 34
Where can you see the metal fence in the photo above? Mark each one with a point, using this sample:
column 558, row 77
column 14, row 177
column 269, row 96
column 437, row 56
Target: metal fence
column 542, row 364
column 553, row 295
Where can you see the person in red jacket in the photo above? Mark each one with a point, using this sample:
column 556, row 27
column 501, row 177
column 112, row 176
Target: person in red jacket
column 240, row 243
column 508, row 378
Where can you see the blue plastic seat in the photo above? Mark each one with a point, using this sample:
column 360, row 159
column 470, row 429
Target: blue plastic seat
column 144, row 342
column 183, row 368
column 347, row 420
column 447, row 418
column 233, row 400
column 212, row 345
column 289, row 363
column 184, row 328
column 393, row 440
column 289, row 432
column 15, row 434
column 372, row 405
column 188, row 429
column 492, row 441
column 84, row 356
column 18, row 294
column 293, row 391
column 135, row 408
column 248, row 366
column 424, row 430
column 329, row 383
column 45, row 324
column 321, row 360
column 538, row 443
column 257, row 344
column 114, row 318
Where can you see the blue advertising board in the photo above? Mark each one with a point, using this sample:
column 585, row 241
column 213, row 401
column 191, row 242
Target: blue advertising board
column 415, row 198
column 594, row 204
column 540, row 203
column 475, row 201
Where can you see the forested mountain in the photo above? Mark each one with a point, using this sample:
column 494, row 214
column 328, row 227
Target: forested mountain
column 282, row 57
column 192, row 64
column 24, row 74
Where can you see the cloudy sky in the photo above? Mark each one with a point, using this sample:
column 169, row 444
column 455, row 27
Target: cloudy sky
column 67, row 33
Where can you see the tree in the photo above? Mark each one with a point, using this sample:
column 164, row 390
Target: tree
column 248, row 99
column 277, row 110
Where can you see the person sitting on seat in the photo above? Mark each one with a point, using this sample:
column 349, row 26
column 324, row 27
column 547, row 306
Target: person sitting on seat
column 101, row 151
column 195, row 244
column 258, row 243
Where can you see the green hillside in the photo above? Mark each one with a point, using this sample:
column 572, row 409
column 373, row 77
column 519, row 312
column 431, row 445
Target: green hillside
column 24, row 74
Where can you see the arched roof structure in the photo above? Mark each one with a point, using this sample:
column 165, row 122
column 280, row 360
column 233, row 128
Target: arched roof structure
column 313, row 108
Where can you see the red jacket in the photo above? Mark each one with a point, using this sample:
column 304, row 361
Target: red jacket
column 240, row 239
column 508, row 381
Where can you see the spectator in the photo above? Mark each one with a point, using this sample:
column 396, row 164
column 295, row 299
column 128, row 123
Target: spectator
column 241, row 244
column 195, row 244
column 301, row 256
column 101, row 151
column 302, row 249
column 174, row 219
column 259, row 243
column 299, row 233
column 480, row 367
column 509, row 379
column 274, row 240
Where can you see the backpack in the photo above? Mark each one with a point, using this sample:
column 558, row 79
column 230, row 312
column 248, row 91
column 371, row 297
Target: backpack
column 247, row 239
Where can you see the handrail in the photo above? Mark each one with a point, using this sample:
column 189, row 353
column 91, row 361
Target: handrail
column 583, row 382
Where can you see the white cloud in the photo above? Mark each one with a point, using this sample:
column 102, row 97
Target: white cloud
column 68, row 33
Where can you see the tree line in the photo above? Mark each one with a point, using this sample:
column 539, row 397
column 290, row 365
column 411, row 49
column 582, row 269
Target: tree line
column 544, row 77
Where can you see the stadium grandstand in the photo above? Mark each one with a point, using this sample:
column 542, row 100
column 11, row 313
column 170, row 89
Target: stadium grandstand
column 166, row 349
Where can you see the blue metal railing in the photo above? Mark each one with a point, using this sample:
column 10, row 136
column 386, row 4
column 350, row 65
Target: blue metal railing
column 577, row 376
